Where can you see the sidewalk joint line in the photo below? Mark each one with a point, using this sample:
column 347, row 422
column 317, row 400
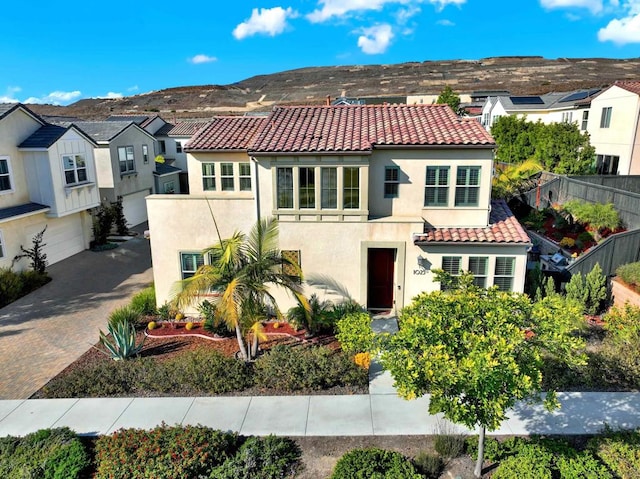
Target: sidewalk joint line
column 246, row 412
column 65, row 413
column 193, row 400
column 119, row 416
column 306, row 422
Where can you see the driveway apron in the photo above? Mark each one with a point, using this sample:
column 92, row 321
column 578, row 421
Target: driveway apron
column 45, row 331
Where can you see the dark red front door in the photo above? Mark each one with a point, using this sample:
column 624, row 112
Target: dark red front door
column 380, row 278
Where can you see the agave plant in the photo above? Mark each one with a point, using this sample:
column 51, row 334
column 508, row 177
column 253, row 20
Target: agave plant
column 122, row 344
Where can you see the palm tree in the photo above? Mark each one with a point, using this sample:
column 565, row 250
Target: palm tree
column 510, row 180
column 241, row 274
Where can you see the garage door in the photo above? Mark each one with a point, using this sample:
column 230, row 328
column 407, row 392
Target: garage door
column 134, row 207
column 63, row 237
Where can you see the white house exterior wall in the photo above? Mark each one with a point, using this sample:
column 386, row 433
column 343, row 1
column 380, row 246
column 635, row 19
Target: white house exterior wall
column 618, row 139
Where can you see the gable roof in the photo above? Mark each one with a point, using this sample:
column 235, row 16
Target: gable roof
column 183, row 128
column 104, row 131
column 503, row 228
column 227, row 133
column 7, row 108
column 360, row 128
column 165, row 169
column 548, row 101
column 47, row 135
column 632, row 86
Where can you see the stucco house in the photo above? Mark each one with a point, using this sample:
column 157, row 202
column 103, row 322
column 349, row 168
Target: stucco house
column 48, row 178
column 125, row 164
column 614, row 127
column 375, row 197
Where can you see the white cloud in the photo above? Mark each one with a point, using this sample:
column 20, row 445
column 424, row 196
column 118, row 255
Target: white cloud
column 405, row 14
column 268, row 21
column 133, row 88
column 338, row 8
column 112, row 95
column 10, row 95
column 622, row 31
column 445, row 23
column 375, row 39
column 595, row 6
column 56, row 97
column 202, row 58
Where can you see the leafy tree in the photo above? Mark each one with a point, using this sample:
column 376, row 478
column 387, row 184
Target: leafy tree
column 478, row 351
column 515, row 138
column 449, row 97
column 243, row 270
column 597, row 215
column 36, row 253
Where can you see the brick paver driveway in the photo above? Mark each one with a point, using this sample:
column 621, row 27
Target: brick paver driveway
column 47, row 330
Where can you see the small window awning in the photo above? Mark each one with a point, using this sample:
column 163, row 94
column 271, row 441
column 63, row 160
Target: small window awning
column 21, row 211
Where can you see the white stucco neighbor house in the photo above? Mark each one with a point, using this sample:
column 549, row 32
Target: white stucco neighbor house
column 48, row 178
column 375, row 197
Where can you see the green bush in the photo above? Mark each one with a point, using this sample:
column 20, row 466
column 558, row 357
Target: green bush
column 532, row 462
column 492, row 448
column 449, row 445
column 124, row 314
column 355, row 333
column 374, row 463
column 585, row 237
column 261, row 458
column 590, row 290
column 47, row 453
column 145, row 301
column 630, row 273
column 582, row 466
column 299, row 368
column 211, row 323
column 430, row 465
column 620, row 451
column 11, row 286
column 176, row 452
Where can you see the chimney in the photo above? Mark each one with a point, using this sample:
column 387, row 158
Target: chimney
column 328, row 103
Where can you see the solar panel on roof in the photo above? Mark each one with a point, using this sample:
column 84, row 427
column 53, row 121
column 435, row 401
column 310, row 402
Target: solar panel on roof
column 526, row 100
column 581, row 95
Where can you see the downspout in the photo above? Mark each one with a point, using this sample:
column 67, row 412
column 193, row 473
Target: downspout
column 253, row 158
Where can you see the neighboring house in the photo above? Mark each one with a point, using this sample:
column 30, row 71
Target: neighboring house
column 571, row 107
column 167, row 179
column 614, row 127
column 48, row 179
column 375, row 197
column 125, row 164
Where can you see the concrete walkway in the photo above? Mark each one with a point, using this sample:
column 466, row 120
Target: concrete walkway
column 45, row 331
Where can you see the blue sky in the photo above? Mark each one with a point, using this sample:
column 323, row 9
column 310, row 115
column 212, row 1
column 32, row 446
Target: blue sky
column 60, row 52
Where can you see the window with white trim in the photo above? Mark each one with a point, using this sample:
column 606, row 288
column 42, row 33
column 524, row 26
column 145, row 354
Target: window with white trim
column 75, row 169
column 208, row 176
column 585, row 120
column 567, row 116
column 329, row 188
column 126, row 159
column 391, row 181
column 285, row 187
column 467, row 185
column 245, row 176
column 436, row 190
column 178, row 146
column 1, row 246
column 189, row 264
column 307, row 187
column 351, row 187
column 485, row 119
column 451, row 265
column 145, row 154
column 605, row 117
column 5, row 174
column 478, row 267
column 504, row 273
column 226, row 177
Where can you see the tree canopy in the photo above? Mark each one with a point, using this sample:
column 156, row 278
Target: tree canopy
column 478, row 351
column 449, row 97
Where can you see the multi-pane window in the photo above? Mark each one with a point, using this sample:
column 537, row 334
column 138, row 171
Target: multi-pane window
column 75, row 169
column 126, row 158
column 208, row 176
column 245, row 176
column 189, row 264
column 585, row 120
column 285, row 187
column 437, row 186
column 567, row 116
column 391, row 181
column 5, row 174
column 478, row 267
column 178, row 146
column 504, row 272
column 451, row 265
column 1, row 246
column 605, row 117
column 307, row 187
column 607, row 164
column 485, row 119
column 226, row 176
column 329, row 188
column 467, row 185
column 351, row 188
column 145, row 154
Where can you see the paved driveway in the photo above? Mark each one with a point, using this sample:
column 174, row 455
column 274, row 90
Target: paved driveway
column 44, row 332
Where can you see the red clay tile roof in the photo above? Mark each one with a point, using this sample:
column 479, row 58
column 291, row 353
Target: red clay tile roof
column 360, row 128
column 227, row 133
column 632, row 86
column 503, row 228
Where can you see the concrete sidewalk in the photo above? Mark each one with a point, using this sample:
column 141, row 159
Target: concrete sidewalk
column 358, row 415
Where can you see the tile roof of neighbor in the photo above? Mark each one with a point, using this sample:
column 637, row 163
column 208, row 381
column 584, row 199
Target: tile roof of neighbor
column 227, row 133
column 359, row 128
column 44, row 137
column 632, row 86
column 503, row 228
column 183, row 128
column 19, row 210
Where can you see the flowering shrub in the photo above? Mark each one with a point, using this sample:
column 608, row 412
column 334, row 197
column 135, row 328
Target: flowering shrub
column 567, row 242
column 363, row 360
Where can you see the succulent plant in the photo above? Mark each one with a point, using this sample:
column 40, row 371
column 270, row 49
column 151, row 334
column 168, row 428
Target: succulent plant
column 122, row 344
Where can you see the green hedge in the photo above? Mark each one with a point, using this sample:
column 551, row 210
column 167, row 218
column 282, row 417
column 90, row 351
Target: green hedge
column 620, row 451
column 45, row 454
column 374, row 463
column 14, row 285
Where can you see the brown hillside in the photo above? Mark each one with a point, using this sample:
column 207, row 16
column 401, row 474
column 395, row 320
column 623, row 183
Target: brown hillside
column 520, row 75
